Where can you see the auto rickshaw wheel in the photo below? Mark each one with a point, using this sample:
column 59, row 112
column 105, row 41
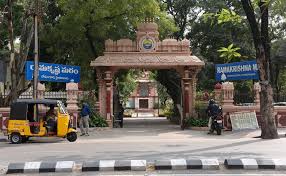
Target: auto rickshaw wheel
column 72, row 136
column 16, row 138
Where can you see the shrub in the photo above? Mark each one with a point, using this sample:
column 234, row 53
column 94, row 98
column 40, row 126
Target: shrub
column 169, row 109
column 156, row 106
column 197, row 122
column 200, row 108
column 97, row 121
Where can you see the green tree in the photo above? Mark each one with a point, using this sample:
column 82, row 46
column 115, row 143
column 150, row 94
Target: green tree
column 162, row 90
column 77, row 36
column 18, row 25
column 182, row 11
column 222, row 17
column 126, row 83
column 207, row 37
column 279, row 62
column 261, row 38
column 260, row 32
column 171, row 80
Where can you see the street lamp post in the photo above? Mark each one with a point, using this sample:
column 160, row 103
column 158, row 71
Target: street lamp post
column 36, row 49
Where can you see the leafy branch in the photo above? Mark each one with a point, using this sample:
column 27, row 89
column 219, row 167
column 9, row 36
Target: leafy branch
column 229, row 53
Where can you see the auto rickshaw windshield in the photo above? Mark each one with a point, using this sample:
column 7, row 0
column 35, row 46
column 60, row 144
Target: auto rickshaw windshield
column 62, row 108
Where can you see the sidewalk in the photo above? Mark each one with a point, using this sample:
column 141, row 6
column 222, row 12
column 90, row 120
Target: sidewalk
column 3, row 138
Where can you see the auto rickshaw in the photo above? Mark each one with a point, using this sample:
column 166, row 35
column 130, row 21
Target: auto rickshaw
column 27, row 121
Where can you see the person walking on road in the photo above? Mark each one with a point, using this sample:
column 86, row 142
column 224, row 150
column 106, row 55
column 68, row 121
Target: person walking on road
column 84, row 120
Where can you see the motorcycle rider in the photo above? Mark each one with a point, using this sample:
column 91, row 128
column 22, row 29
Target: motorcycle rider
column 212, row 111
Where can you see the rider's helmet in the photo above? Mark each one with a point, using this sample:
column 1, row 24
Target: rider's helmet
column 211, row 101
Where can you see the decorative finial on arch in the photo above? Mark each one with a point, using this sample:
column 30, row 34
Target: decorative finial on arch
column 149, row 20
column 146, row 20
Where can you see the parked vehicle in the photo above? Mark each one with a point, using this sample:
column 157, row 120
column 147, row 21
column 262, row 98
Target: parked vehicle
column 217, row 124
column 214, row 112
column 26, row 120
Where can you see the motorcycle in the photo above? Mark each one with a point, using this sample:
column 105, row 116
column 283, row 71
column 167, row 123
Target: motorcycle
column 217, row 124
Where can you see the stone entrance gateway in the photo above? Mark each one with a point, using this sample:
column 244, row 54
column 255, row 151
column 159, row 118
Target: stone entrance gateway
column 148, row 53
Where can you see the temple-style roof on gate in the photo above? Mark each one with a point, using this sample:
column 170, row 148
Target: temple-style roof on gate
column 147, row 51
column 139, row 59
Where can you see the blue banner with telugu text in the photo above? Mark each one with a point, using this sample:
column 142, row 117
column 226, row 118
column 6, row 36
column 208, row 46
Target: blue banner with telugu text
column 247, row 70
column 54, row 72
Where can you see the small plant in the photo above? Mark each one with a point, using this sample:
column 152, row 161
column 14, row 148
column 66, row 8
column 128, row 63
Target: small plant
column 97, row 121
column 197, row 122
column 169, row 109
column 200, row 108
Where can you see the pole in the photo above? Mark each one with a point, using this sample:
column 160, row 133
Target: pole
column 158, row 105
column 36, row 67
column 36, row 59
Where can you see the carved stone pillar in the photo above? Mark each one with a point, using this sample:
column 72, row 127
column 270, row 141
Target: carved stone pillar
column 72, row 101
column 257, row 90
column 101, row 93
column 193, row 91
column 109, row 90
column 72, row 96
column 228, row 90
column 41, row 91
column 186, row 93
column 218, row 92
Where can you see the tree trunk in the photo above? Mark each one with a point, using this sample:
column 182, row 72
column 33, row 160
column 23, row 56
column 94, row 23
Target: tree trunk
column 262, row 46
column 90, row 40
column 12, row 63
column 268, row 127
column 17, row 65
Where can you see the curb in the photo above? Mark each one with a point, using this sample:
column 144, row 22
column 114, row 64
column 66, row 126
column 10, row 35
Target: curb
column 141, row 165
column 182, row 164
column 250, row 164
column 113, row 165
column 40, row 167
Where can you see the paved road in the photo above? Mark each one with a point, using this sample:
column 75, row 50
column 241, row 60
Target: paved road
column 148, row 139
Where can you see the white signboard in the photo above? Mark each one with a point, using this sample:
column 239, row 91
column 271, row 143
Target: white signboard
column 244, row 120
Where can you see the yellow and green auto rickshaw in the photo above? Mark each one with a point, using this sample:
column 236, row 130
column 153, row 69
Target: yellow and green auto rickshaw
column 28, row 119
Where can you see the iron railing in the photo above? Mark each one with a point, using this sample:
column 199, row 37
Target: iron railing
column 241, row 98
